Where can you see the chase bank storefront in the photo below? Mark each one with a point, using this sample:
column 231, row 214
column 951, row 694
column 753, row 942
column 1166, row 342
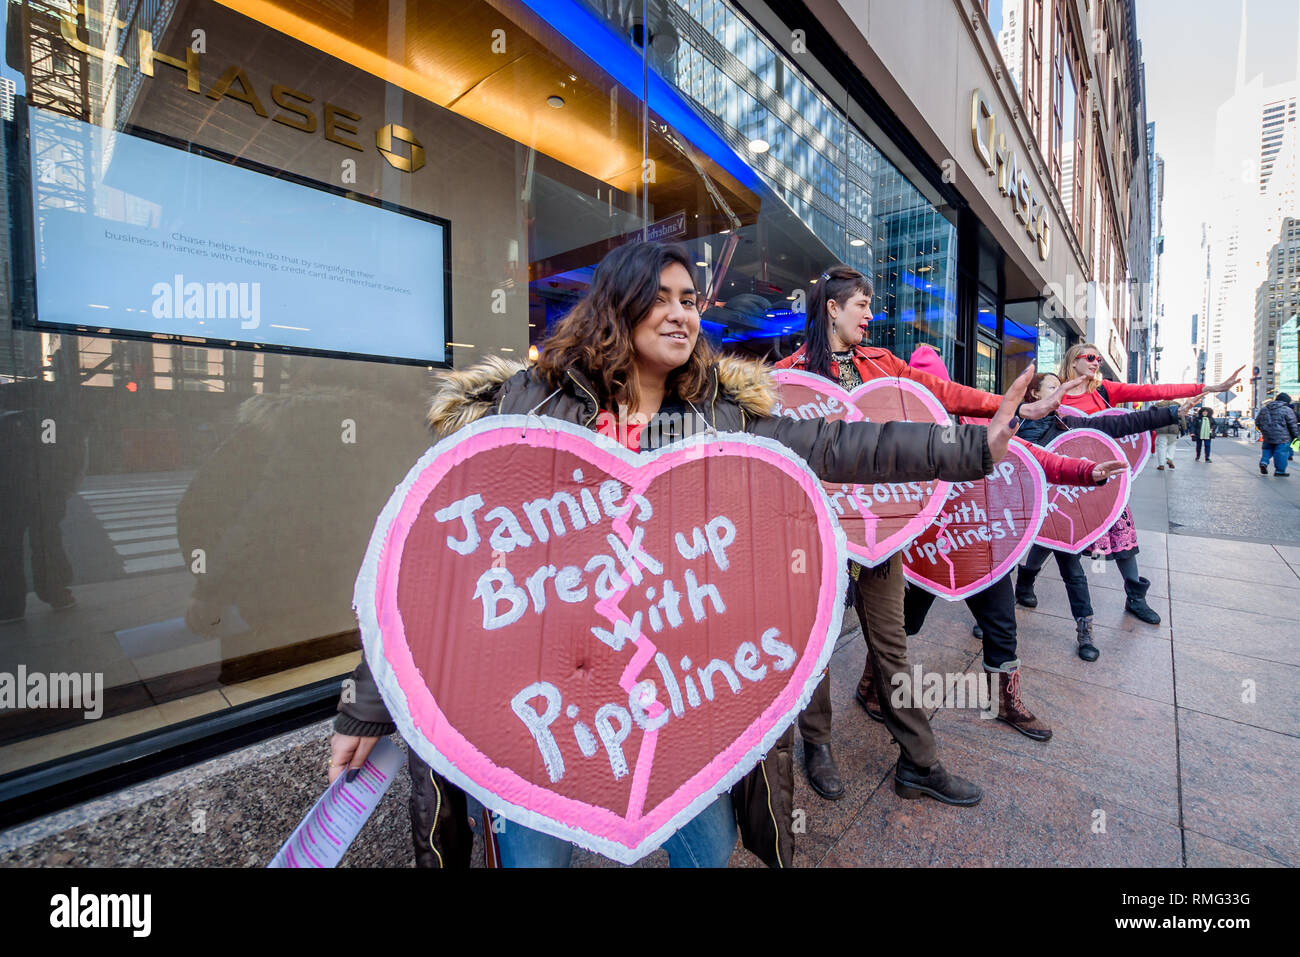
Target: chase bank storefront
column 241, row 235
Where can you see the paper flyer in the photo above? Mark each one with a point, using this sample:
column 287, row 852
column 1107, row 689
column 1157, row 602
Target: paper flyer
column 336, row 819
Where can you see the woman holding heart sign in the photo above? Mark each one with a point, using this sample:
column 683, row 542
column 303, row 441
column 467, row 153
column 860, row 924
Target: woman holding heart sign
column 839, row 313
column 628, row 354
column 1043, row 432
column 994, row 606
column 1094, row 394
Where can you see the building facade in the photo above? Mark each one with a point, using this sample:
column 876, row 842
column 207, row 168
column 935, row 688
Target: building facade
column 1277, row 314
column 1255, row 156
column 242, row 235
column 1157, row 192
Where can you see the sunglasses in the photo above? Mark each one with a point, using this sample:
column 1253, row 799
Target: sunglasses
column 1089, row 357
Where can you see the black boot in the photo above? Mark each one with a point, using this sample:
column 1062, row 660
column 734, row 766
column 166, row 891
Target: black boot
column 1137, row 601
column 1087, row 650
column 913, row 782
column 823, row 775
column 1025, row 587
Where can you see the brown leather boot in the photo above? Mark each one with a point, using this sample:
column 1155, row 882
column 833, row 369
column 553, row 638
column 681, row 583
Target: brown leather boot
column 866, row 694
column 1011, row 708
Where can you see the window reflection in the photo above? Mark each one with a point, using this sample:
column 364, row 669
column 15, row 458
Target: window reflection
column 196, row 528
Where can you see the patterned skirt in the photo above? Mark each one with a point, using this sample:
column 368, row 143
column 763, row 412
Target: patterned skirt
column 1120, row 540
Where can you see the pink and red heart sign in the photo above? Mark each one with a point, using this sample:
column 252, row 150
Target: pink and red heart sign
column 1078, row 515
column 985, row 528
column 1137, row 448
column 881, row 518
column 988, row 526
column 589, row 640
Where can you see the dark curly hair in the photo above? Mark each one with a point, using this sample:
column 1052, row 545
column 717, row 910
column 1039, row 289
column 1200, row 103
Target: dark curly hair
column 596, row 336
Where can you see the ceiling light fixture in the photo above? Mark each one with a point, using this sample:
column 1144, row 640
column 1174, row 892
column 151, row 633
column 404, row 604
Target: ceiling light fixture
column 759, row 145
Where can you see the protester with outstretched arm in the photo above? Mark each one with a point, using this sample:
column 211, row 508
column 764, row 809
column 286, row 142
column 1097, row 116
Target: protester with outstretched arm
column 633, row 342
column 1119, row 544
column 1072, row 574
column 838, row 320
column 994, row 607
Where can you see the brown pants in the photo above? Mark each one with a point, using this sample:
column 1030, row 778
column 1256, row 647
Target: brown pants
column 879, row 603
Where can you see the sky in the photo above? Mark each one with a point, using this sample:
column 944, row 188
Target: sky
column 1190, row 52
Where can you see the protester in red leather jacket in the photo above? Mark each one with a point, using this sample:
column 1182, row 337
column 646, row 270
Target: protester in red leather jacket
column 839, row 313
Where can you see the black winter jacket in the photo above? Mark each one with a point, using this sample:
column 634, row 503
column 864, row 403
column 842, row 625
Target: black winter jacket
column 1277, row 423
column 1043, row 431
column 741, row 399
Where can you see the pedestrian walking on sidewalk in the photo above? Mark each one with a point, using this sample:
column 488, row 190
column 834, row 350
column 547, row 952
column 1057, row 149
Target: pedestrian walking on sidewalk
column 1203, row 433
column 1167, row 436
column 1278, row 428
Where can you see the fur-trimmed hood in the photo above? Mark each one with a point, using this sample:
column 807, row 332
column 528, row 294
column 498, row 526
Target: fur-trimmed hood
column 465, row 395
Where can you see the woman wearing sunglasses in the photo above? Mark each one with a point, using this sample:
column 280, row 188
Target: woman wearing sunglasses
column 1119, row 544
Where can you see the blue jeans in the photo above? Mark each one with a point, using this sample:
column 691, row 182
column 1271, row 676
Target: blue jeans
column 1280, row 454
column 706, row 840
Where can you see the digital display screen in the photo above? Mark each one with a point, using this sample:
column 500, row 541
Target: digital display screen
column 139, row 237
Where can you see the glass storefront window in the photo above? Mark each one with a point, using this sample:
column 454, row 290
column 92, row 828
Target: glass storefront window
column 1053, row 341
column 1020, row 339
column 232, row 270
column 832, row 188
column 986, row 366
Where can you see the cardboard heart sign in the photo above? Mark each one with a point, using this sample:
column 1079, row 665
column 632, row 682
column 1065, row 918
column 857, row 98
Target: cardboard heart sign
column 597, row 643
column 877, row 519
column 1078, row 515
column 1137, row 448
column 985, row 528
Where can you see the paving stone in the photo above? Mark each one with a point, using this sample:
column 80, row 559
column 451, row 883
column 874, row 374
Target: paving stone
column 1269, row 570
column 1213, row 681
column 1239, row 785
column 1243, row 596
column 1031, row 816
column 1205, row 851
column 1119, row 745
column 1135, row 663
column 1240, row 632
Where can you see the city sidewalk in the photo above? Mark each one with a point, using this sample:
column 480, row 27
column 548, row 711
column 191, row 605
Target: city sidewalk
column 1177, row 747
column 1183, row 738
column 1161, row 757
